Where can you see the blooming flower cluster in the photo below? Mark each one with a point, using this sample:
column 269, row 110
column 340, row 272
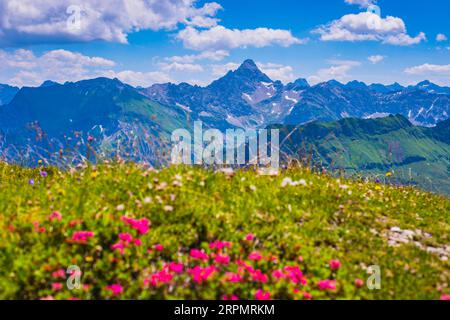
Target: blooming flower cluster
column 82, row 236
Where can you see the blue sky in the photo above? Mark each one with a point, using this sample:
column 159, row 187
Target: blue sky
column 146, row 41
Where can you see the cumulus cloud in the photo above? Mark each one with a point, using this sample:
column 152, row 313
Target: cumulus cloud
column 219, row 70
column 23, row 68
column 429, row 69
column 361, row 3
column 87, row 20
column 57, row 65
column 277, row 71
column 368, row 26
column 338, row 71
column 441, row 37
column 137, row 78
column 221, row 38
column 217, row 55
column 376, row 58
column 177, row 66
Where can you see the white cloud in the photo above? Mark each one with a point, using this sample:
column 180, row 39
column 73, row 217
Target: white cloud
column 42, row 21
column 143, row 79
column 221, row 38
column 441, row 37
column 376, row 58
column 429, row 69
column 23, row 68
column 361, row 3
column 177, row 66
column 277, row 71
column 219, row 70
column 58, row 65
column 217, row 55
column 338, row 71
column 368, row 26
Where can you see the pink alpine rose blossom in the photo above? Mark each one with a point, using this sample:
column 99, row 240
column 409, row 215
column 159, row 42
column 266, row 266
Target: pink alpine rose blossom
column 176, row 267
column 327, row 285
column 255, row 256
column 116, row 289
column 57, row 286
column 335, row 264
column 222, row 259
column 262, row 295
column 55, row 215
column 82, row 236
column 249, row 237
column 199, row 254
column 359, row 283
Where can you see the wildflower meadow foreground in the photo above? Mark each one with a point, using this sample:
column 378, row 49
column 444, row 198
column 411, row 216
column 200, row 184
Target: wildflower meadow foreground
column 123, row 231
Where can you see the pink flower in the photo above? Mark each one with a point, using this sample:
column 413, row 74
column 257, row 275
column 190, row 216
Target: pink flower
column 259, row 276
column 250, row 237
column 307, row 296
column 255, row 256
column 116, row 289
column 55, row 215
column 295, row 275
column 445, row 297
column 233, row 277
column 245, row 266
column 37, row 228
column 200, row 274
column 359, row 283
column 278, row 274
column 199, row 255
column 118, row 246
column 222, row 259
column 261, row 295
column 219, row 245
column 327, row 285
column 230, row 298
column 126, row 237
column 176, row 267
column 60, row 273
column 158, row 278
column 141, row 225
column 137, row 242
column 82, row 236
column 158, row 247
column 335, row 264
column 56, row 286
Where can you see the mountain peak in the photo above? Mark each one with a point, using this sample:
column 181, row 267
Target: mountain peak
column 249, row 64
column 48, row 83
column 250, row 71
column 425, row 83
column 244, row 78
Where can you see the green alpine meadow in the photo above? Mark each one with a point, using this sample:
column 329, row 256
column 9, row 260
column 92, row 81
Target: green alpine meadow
column 126, row 231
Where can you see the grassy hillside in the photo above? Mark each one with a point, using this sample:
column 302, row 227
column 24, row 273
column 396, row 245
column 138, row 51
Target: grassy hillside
column 417, row 155
column 196, row 234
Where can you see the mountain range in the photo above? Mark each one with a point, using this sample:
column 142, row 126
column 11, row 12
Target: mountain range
column 108, row 115
column 416, row 155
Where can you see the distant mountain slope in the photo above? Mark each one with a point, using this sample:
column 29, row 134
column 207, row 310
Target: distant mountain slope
column 417, row 155
column 7, row 93
column 60, row 116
